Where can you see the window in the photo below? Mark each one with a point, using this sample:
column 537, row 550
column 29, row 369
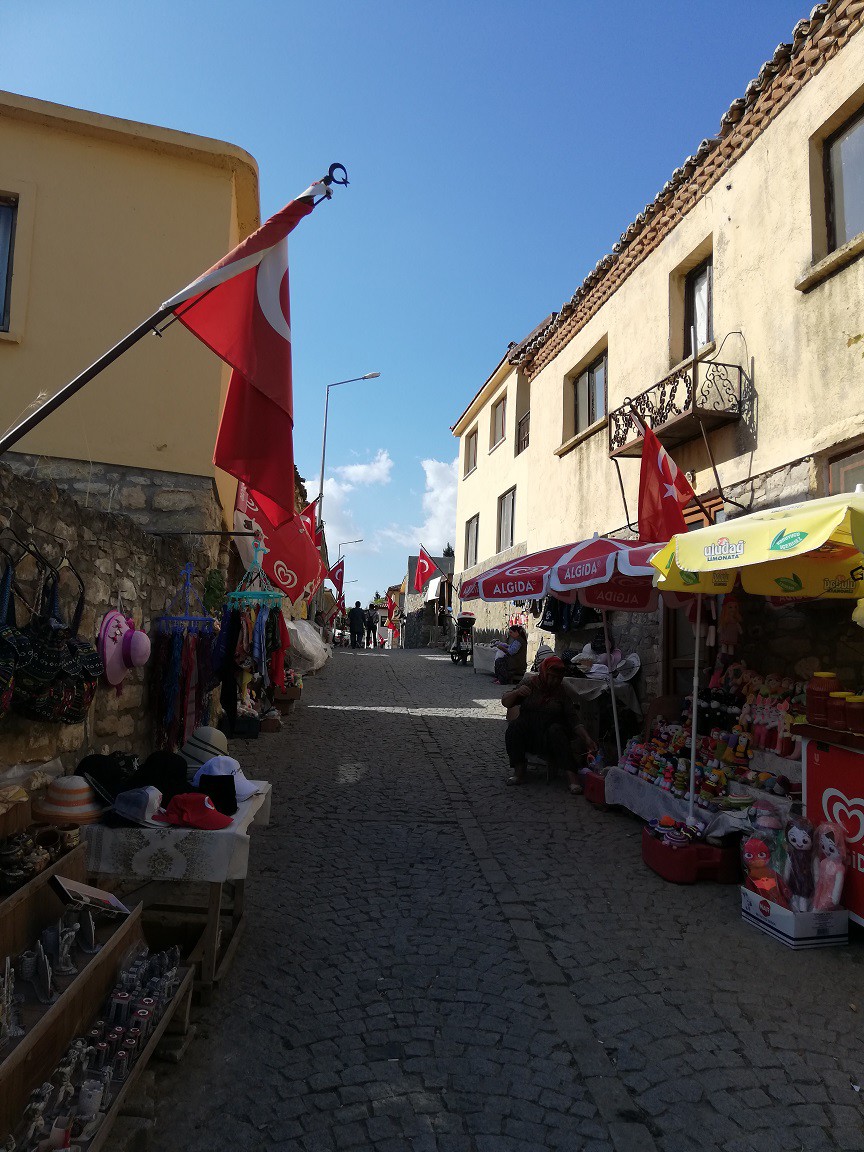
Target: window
column 498, row 414
column 506, row 506
column 590, row 394
column 8, row 213
column 471, row 452
column 699, row 306
column 523, row 430
column 471, row 528
column 845, row 473
column 844, row 182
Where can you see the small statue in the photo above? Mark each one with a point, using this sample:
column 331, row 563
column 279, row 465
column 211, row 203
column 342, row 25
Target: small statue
column 65, row 1089
column 33, row 1113
column 87, row 933
column 43, row 979
column 64, row 966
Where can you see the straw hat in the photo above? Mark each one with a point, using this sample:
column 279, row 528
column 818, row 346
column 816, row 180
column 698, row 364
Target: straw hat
column 69, row 799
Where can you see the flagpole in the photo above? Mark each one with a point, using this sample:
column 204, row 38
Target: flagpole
column 19, row 430
column 68, row 390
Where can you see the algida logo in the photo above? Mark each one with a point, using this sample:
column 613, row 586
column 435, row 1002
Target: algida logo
column 785, row 542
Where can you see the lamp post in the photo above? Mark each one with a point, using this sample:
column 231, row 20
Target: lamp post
column 335, row 384
column 342, row 545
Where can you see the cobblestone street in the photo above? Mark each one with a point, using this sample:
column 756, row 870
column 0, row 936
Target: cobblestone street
column 437, row 962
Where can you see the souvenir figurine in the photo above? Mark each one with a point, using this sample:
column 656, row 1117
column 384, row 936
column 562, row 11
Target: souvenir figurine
column 798, row 870
column 33, row 1113
column 761, row 877
column 829, row 867
column 43, row 978
column 87, row 933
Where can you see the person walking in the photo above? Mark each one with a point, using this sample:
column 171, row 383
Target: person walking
column 356, row 622
column 371, row 627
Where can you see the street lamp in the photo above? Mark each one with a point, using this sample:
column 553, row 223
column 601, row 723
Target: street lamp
column 352, row 380
column 342, row 545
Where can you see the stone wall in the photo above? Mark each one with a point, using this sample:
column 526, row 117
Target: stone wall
column 175, row 501
column 114, row 556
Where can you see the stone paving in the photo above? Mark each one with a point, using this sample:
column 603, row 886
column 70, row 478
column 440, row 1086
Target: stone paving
column 437, row 962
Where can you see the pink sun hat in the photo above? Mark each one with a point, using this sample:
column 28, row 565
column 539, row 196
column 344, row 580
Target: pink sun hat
column 121, row 646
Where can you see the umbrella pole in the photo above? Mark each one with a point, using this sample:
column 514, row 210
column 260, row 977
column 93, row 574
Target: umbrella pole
column 693, row 717
column 612, row 685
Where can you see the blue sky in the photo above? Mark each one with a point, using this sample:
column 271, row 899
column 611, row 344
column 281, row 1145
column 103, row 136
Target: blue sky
column 496, row 150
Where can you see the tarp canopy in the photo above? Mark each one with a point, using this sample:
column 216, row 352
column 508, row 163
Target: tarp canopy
column 815, row 548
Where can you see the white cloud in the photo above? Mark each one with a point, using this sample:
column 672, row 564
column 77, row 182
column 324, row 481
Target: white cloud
column 339, row 517
column 439, row 511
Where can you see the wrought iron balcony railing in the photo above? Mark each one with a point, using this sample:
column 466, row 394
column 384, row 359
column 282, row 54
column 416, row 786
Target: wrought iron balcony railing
column 697, row 396
column 522, row 433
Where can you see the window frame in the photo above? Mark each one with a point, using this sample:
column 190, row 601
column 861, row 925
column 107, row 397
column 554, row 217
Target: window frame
column 853, row 454
column 502, row 405
column 11, row 201
column 469, row 467
column 690, row 305
column 828, row 180
column 499, row 542
column 475, row 520
column 588, row 372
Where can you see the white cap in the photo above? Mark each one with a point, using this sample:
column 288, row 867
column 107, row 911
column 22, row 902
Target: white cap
column 227, row 766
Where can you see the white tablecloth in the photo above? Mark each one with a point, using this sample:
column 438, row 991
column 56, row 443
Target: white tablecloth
column 171, row 853
column 650, row 802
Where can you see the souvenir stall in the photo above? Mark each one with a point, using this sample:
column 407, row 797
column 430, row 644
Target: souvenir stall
column 812, row 551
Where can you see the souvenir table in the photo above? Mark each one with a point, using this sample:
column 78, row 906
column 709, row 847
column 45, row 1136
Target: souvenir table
column 184, row 857
column 651, row 802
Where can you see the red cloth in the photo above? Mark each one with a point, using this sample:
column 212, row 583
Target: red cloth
column 309, row 516
column 425, row 567
column 292, row 562
column 664, row 492
column 277, row 660
column 336, row 576
column 239, row 309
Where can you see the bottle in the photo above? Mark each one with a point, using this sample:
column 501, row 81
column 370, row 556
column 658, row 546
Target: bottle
column 835, row 711
column 818, row 689
column 855, row 713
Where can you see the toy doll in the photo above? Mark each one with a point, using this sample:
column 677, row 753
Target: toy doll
column 761, row 877
column 829, row 867
column 764, row 816
column 798, row 870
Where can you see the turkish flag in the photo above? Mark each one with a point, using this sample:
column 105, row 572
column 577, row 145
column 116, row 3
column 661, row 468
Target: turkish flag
column 425, row 567
column 664, row 492
column 239, row 309
column 391, row 607
column 309, row 516
column 336, row 576
column 292, row 562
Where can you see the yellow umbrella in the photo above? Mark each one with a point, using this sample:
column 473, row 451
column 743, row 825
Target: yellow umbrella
column 803, row 550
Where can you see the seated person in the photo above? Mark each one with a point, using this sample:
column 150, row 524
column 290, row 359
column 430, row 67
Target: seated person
column 547, row 725
column 511, row 664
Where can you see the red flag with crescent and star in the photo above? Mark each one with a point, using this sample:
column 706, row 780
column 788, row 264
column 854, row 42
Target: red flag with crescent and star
column 291, row 561
column 336, row 576
column 664, row 492
column 239, row 309
column 425, row 567
column 309, row 516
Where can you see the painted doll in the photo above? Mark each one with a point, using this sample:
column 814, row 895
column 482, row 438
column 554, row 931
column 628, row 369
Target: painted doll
column 829, row 869
column 761, row 877
column 798, row 870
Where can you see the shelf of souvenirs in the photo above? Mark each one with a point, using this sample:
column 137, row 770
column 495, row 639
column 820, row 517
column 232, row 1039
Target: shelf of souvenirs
column 853, row 740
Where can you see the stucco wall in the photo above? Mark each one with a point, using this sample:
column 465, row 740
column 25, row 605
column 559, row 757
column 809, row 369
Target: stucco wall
column 807, row 372
column 111, row 223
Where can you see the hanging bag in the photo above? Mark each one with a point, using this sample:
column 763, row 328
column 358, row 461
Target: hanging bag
column 7, row 645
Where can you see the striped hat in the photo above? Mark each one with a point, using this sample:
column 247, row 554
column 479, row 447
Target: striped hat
column 69, row 799
column 203, row 745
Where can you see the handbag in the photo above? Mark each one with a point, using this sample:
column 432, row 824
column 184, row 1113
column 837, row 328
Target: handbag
column 60, row 682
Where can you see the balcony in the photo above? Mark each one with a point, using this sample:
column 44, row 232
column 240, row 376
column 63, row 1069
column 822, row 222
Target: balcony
column 522, row 431
column 700, row 395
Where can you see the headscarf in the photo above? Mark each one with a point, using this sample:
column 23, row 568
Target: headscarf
column 550, row 663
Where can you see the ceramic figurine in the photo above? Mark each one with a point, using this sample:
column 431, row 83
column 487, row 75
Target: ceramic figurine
column 42, row 979
column 87, row 933
column 829, row 867
column 798, row 870
column 33, row 1113
column 64, row 966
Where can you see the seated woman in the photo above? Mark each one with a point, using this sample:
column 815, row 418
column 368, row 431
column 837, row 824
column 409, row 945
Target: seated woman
column 511, row 664
column 547, row 725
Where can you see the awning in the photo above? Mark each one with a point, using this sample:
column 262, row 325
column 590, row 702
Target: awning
column 815, row 548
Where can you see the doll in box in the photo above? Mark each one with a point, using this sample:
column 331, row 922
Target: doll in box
column 761, row 877
column 798, row 872
column 829, row 869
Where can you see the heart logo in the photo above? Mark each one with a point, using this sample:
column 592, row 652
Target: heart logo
column 849, row 814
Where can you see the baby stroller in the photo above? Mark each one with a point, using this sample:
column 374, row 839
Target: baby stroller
column 462, row 647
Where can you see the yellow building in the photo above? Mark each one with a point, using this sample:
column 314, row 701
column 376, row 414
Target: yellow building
column 754, row 242
column 100, row 221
